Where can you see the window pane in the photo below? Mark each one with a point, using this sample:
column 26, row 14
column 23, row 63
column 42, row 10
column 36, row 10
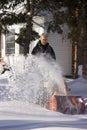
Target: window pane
column 10, row 42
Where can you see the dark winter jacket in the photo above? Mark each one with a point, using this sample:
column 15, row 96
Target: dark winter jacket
column 45, row 49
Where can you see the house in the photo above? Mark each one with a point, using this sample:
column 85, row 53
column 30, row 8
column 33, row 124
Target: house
column 65, row 52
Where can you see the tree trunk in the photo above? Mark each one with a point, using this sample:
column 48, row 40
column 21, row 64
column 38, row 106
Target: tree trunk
column 28, row 36
column 28, row 26
column 75, row 60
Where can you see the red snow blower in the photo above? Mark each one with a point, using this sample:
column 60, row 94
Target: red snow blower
column 67, row 104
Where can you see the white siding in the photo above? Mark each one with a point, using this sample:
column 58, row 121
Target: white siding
column 63, row 51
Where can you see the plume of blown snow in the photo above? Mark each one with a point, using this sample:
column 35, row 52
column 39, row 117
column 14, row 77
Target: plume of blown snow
column 40, row 77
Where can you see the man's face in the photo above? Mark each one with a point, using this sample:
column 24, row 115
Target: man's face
column 43, row 40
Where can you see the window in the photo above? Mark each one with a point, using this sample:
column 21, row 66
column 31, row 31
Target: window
column 10, row 42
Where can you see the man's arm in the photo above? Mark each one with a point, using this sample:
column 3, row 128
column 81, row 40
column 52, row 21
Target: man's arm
column 34, row 51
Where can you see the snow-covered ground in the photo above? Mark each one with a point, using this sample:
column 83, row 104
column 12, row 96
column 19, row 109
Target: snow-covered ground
column 22, row 115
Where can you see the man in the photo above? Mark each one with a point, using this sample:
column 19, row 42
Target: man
column 43, row 47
